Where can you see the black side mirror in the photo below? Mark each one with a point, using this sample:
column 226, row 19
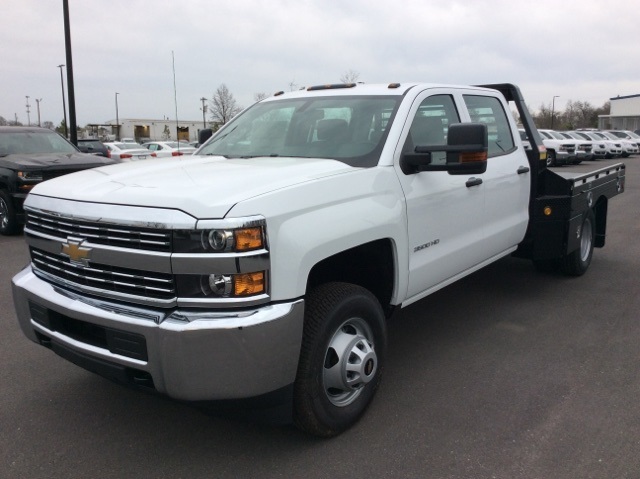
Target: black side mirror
column 466, row 149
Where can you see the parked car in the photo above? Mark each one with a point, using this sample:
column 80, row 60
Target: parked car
column 28, row 156
column 165, row 149
column 614, row 144
column 128, row 152
column 93, row 146
column 627, row 135
column 628, row 147
column 598, row 147
column 525, row 140
column 613, row 149
column 560, row 151
column 584, row 148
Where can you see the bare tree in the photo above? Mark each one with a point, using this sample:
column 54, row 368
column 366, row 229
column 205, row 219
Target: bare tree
column 259, row 96
column 350, row 76
column 223, row 105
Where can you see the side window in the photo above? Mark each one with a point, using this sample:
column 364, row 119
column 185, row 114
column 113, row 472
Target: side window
column 488, row 110
column 431, row 124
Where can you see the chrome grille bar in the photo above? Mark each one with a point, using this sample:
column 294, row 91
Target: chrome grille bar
column 112, row 235
column 118, row 280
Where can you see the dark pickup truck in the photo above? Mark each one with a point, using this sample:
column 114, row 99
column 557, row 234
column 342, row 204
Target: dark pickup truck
column 28, row 156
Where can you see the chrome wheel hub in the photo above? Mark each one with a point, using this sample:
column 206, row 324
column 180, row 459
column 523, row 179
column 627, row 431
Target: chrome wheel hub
column 350, row 362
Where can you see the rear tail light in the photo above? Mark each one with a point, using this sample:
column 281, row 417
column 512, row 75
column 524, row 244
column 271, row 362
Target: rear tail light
column 176, row 153
column 126, row 155
column 154, row 154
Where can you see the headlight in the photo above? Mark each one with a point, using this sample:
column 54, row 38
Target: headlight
column 30, row 175
column 28, row 179
column 241, row 285
column 220, row 240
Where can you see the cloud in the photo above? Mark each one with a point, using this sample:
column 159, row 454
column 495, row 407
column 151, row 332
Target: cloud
column 577, row 50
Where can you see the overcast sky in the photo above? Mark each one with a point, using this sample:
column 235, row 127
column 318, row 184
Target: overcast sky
column 584, row 50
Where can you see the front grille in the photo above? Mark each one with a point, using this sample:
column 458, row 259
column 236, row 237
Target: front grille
column 99, row 233
column 105, row 277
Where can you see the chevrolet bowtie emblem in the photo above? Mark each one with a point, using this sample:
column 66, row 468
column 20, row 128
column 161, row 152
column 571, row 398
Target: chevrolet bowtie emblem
column 77, row 253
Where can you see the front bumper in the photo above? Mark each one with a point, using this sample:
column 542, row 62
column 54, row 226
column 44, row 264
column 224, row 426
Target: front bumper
column 208, row 355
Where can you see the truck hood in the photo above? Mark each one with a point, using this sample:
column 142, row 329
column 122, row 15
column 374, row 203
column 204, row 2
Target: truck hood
column 53, row 161
column 204, row 187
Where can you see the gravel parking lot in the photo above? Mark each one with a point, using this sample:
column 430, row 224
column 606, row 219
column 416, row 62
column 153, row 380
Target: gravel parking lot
column 509, row 373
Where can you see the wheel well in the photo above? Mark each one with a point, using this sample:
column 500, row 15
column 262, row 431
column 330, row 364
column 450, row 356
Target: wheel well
column 600, row 210
column 370, row 265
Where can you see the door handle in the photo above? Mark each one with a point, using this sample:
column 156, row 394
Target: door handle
column 473, row 182
column 523, row 169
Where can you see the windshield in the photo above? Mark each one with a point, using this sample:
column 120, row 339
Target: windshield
column 33, row 142
column 557, row 135
column 609, row 135
column 348, row 129
column 599, row 135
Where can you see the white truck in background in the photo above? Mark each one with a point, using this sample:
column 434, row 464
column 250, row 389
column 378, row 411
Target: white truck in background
column 269, row 262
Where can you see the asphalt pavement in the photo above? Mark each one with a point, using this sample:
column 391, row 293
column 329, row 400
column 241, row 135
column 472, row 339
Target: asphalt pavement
column 509, row 373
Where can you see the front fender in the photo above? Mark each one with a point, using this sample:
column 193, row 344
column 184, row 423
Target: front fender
column 310, row 222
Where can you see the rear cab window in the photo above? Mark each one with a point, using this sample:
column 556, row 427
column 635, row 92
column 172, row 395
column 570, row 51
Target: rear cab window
column 490, row 111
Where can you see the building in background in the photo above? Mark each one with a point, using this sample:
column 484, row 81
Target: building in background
column 624, row 114
column 148, row 130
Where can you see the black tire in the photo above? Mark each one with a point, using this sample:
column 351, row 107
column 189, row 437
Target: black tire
column 551, row 158
column 8, row 220
column 577, row 262
column 341, row 360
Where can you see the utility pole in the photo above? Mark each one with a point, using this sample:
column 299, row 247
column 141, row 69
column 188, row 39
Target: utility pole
column 28, row 112
column 204, row 112
column 117, row 120
column 553, row 107
column 38, row 100
column 72, row 97
column 64, row 104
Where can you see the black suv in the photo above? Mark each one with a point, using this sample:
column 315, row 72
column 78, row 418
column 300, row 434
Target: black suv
column 29, row 155
column 93, row 146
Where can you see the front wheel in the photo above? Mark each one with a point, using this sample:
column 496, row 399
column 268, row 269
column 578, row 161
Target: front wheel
column 577, row 262
column 341, row 358
column 8, row 220
column 551, row 158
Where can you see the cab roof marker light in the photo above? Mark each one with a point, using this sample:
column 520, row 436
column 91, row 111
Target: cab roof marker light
column 333, row 86
column 393, row 85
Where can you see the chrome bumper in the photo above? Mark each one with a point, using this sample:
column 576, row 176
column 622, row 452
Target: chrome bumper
column 204, row 355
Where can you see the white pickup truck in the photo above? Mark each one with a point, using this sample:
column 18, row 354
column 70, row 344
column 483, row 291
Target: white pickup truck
column 269, row 262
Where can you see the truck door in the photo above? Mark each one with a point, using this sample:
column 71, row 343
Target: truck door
column 507, row 181
column 444, row 211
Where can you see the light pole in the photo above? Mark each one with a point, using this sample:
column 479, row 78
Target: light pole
column 117, row 120
column 553, row 107
column 204, row 112
column 38, row 100
column 64, row 104
column 28, row 112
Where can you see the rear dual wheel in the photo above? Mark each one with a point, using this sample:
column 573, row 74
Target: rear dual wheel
column 341, row 359
column 577, row 262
